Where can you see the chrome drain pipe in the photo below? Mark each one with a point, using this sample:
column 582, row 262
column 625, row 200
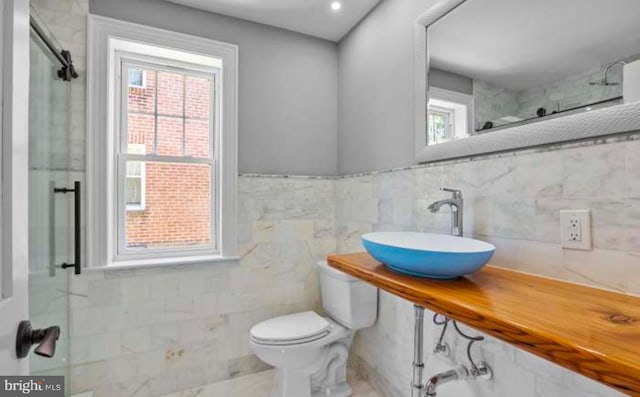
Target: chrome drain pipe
column 417, row 384
column 452, row 375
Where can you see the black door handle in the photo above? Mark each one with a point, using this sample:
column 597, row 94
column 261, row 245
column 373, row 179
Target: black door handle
column 77, row 207
column 45, row 339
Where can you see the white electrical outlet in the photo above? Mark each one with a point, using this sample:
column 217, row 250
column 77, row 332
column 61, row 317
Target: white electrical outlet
column 575, row 229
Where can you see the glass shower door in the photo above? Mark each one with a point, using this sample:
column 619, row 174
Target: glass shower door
column 50, row 214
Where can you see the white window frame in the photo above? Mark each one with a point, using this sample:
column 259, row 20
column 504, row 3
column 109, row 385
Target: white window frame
column 109, row 40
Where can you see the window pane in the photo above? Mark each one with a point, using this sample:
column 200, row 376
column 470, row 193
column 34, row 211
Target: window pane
column 198, row 98
column 142, row 100
column 170, row 94
column 140, row 133
column 170, row 116
column 133, row 192
column 136, row 148
column 134, row 168
column 197, row 138
column 198, row 102
column 136, row 78
column 170, row 136
column 177, row 210
column 437, row 127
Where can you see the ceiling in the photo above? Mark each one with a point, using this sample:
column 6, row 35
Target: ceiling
column 523, row 43
column 312, row 17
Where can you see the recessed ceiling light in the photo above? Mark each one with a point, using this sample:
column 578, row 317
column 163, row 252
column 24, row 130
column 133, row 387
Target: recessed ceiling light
column 336, row 6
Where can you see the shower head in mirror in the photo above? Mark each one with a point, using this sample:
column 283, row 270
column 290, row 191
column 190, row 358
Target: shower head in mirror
column 605, row 71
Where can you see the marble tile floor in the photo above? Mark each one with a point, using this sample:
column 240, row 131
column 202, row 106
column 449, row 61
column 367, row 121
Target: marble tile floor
column 256, row 385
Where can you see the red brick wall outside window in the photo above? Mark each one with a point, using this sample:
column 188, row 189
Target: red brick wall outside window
column 170, row 116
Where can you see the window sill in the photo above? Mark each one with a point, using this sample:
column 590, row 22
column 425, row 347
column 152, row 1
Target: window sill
column 165, row 262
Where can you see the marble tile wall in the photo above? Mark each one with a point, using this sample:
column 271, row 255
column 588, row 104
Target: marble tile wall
column 569, row 92
column 493, row 102
column 155, row 331
column 149, row 331
column 513, row 201
column 516, row 372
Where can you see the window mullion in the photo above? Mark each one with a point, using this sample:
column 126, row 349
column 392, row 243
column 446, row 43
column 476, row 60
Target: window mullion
column 166, row 159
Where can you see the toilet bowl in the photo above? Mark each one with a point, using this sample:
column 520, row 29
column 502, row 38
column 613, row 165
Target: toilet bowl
column 298, row 359
column 308, row 351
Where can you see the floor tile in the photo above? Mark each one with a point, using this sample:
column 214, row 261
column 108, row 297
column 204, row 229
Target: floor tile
column 255, row 385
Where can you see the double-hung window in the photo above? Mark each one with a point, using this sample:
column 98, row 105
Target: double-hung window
column 166, row 156
column 165, row 171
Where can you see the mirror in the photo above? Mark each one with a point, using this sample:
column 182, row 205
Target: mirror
column 494, row 64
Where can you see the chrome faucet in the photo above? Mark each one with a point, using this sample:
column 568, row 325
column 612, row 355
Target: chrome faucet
column 456, row 203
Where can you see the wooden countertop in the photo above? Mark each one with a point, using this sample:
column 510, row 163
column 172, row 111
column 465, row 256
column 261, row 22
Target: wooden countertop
column 587, row 330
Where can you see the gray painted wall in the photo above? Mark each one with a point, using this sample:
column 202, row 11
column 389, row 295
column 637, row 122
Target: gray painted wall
column 288, row 117
column 450, row 81
column 376, row 88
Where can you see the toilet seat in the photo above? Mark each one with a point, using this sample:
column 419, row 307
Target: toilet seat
column 291, row 329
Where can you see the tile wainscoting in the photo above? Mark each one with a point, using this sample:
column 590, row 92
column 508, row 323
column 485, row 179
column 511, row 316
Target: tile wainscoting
column 512, row 200
column 152, row 331
column 147, row 332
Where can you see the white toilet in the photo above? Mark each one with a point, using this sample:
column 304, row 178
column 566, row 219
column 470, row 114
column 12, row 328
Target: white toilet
column 309, row 352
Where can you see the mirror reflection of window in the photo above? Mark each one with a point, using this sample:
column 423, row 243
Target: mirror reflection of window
column 439, row 126
column 449, row 116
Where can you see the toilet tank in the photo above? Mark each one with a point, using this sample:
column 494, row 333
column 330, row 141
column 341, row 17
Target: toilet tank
column 348, row 300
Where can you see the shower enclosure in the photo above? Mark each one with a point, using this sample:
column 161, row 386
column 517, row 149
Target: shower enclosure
column 54, row 206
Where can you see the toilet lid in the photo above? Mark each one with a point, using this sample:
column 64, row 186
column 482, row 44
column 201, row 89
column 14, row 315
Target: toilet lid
column 291, row 327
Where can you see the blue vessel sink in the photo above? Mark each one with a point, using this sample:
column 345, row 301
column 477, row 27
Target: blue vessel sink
column 428, row 255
